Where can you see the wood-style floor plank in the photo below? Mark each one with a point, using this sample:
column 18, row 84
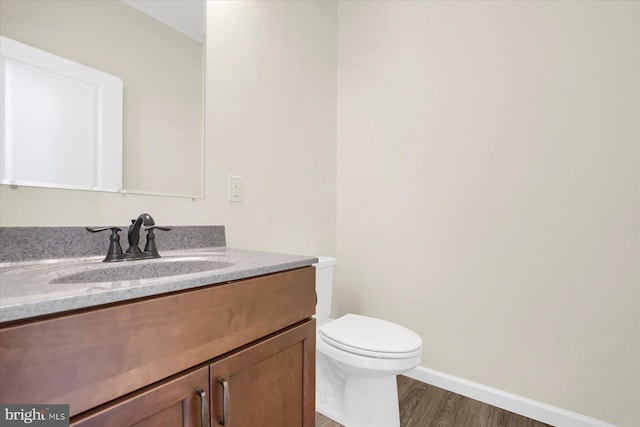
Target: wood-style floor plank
column 423, row 405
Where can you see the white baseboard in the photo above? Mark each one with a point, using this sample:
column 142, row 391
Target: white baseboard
column 508, row 401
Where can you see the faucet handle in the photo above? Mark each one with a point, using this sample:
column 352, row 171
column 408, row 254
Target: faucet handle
column 114, row 245
column 157, row 227
column 99, row 229
column 150, row 245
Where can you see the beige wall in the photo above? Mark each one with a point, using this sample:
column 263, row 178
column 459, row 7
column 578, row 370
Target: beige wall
column 488, row 190
column 271, row 117
column 271, row 113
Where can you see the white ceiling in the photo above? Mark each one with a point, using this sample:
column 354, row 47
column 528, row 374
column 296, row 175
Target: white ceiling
column 186, row 16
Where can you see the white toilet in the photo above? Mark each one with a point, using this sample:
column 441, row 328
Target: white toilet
column 357, row 360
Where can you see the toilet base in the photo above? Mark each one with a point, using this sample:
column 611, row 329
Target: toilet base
column 371, row 402
column 356, row 401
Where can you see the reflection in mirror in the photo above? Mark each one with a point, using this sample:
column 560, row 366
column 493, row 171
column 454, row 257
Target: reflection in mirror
column 62, row 121
column 162, row 72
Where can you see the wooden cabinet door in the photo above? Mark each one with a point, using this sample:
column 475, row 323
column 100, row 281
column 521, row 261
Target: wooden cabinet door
column 271, row 383
column 179, row 402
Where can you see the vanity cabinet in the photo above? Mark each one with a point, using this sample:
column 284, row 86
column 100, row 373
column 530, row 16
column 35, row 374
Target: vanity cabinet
column 244, row 350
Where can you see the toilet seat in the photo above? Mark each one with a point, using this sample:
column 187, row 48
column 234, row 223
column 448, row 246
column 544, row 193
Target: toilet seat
column 367, row 336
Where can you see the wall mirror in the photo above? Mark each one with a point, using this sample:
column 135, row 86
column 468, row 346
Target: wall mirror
column 156, row 48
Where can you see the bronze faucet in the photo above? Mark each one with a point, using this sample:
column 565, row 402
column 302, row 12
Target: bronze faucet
column 133, row 252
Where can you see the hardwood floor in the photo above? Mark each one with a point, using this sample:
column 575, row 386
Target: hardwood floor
column 423, row 405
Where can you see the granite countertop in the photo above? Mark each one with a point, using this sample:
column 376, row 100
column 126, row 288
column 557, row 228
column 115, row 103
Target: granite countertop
column 39, row 287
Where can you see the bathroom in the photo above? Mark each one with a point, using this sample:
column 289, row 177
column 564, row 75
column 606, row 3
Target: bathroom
column 473, row 167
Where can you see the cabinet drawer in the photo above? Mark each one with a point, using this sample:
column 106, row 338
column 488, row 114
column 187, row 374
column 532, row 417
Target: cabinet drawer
column 89, row 358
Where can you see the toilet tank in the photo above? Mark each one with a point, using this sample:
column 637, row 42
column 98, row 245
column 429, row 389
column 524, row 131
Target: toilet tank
column 324, row 286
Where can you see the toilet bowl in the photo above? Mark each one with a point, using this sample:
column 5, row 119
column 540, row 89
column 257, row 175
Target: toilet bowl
column 357, row 360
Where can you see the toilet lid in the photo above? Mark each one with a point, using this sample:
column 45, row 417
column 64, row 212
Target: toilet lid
column 371, row 337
